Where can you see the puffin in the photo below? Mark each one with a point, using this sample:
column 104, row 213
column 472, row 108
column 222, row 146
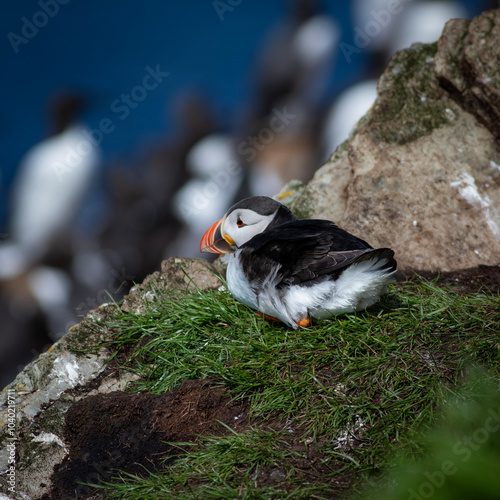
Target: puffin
column 293, row 270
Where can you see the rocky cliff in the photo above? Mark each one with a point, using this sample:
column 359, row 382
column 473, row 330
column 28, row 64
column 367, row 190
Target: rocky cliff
column 420, row 173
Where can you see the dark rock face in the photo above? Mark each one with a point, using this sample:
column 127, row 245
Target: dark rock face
column 467, row 63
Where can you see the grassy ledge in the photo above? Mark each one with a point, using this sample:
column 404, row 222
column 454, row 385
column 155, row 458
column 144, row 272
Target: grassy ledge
column 333, row 407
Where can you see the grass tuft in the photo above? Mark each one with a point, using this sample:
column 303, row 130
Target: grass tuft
column 331, row 405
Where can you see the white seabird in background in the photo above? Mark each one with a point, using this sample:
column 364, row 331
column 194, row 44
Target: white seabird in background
column 54, row 176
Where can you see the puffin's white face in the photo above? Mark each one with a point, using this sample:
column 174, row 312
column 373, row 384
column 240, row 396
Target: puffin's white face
column 243, row 224
column 243, row 221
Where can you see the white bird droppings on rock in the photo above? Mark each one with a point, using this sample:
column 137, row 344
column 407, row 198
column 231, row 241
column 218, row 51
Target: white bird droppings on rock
column 48, row 438
column 470, row 193
column 494, row 165
column 65, row 370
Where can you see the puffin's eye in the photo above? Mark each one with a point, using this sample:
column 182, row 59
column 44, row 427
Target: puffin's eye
column 240, row 223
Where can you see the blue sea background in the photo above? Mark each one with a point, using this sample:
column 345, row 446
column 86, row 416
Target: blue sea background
column 103, row 47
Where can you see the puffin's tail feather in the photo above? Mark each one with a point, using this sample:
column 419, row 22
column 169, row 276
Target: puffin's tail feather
column 383, row 257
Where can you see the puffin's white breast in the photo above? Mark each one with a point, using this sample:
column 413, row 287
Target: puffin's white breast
column 359, row 286
column 237, row 281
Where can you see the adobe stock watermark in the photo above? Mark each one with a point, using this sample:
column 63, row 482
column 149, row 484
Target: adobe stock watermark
column 380, row 20
column 118, row 280
column 463, row 448
column 10, row 419
column 248, row 149
column 223, row 6
column 32, row 26
column 251, row 147
column 120, row 109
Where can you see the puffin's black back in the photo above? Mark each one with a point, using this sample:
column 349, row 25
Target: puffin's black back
column 314, row 231
column 305, row 251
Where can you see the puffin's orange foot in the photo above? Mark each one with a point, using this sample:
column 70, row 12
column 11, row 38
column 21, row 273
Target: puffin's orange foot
column 304, row 322
column 265, row 316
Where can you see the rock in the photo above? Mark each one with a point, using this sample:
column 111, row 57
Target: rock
column 73, row 369
column 421, row 172
column 177, row 274
column 467, row 66
column 290, row 192
column 39, row 397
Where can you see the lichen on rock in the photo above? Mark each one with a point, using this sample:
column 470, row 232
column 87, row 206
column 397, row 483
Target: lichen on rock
column 409, row 103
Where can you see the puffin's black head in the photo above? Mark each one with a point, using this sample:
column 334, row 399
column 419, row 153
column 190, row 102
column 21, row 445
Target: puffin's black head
column 243, row 221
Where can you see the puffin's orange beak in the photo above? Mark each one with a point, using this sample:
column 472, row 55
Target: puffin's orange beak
column 213, row 241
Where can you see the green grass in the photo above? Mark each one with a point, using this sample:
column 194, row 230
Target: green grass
column 331, row 406
column 463, row 456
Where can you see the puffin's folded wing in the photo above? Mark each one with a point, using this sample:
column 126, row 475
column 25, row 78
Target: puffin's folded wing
column 312, row 267
column 305, row 252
